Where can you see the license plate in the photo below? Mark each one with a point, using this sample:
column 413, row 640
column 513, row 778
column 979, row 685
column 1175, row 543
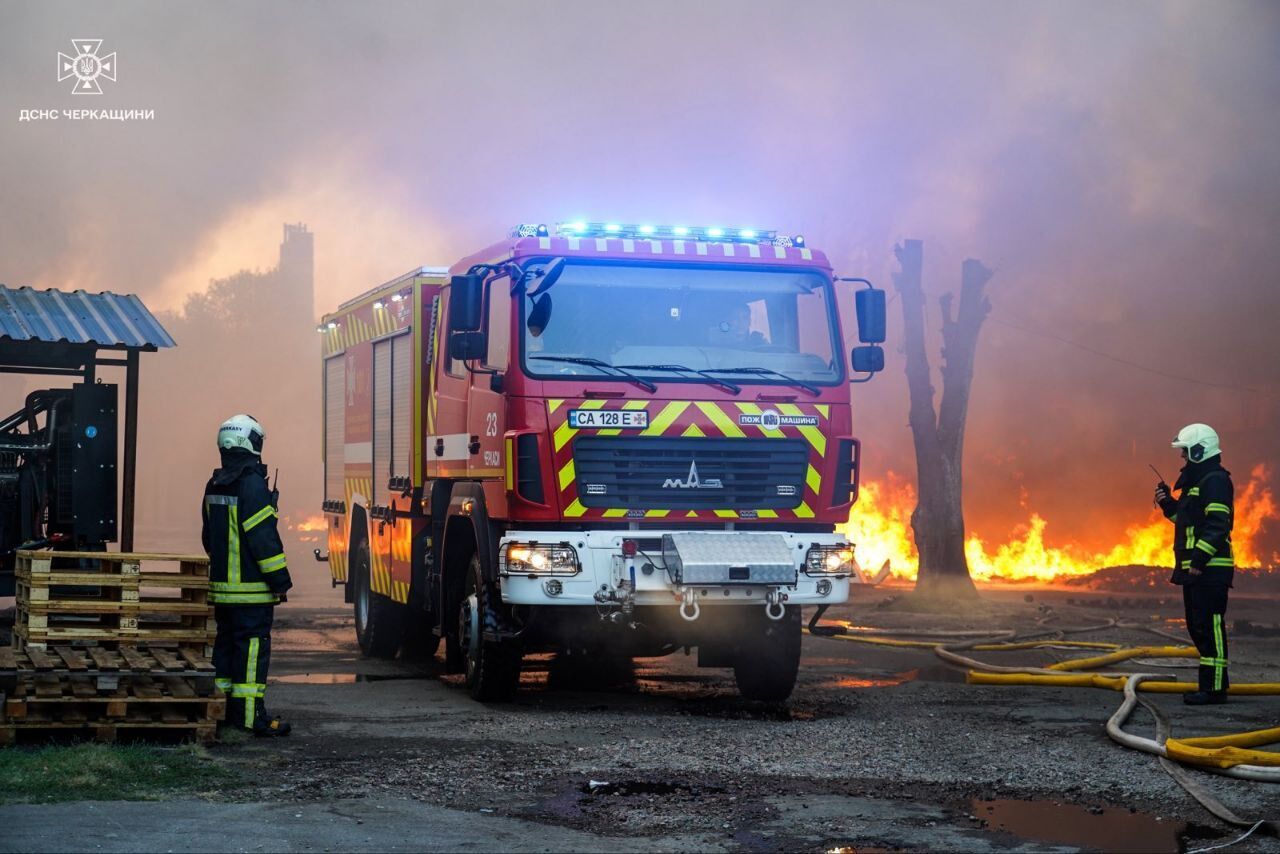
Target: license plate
column 603, row 419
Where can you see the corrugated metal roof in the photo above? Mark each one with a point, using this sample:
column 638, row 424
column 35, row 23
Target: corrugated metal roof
column 107, row 319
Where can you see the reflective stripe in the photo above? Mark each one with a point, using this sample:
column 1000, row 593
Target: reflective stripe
column 248, row 689
column 1222, row 561
column 259, row 517
column 273, row 563
column 245, row 599
column 221, row 499
column 1186, row 564
column 1219, row 646
column 1195, row 490
column 1215, row 507
column 222, row 684
column 1205, row 547
column 251, row 673
column 239, row 587
column 1191, row 536
column 233, row 544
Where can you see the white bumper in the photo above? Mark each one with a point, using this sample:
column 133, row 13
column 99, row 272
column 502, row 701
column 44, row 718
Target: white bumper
column 604, row 569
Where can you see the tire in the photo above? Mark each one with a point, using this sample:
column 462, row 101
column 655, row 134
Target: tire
column 769, row 656
column 491, row 669
column 380, row 622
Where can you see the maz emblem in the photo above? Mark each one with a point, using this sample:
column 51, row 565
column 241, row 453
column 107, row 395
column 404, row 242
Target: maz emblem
column 692, row 481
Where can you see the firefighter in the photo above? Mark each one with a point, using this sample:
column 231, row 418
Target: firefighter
column 247, row 572
column 1203, row 563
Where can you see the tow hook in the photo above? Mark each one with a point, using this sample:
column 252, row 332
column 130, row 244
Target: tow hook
column 773, row 607
column 689, row 605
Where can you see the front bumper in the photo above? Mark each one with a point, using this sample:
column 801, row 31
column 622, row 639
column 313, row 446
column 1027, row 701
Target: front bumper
column 606, row 575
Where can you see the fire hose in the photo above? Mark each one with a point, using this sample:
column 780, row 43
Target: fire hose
column 1232, row 755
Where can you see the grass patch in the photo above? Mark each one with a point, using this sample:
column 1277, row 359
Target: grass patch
column 107, row 772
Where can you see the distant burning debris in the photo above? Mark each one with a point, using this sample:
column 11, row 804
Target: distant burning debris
column 881, row 528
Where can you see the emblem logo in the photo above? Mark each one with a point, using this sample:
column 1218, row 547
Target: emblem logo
column 86, row 67
column 692, row 481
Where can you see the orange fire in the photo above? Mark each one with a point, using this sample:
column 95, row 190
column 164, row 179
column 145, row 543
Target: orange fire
column 311, row 523
column 881, row 527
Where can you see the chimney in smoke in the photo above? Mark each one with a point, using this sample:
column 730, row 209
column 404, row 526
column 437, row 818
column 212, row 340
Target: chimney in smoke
column 297, row 267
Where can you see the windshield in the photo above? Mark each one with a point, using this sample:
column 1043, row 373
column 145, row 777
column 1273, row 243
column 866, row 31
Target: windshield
column 671, row 323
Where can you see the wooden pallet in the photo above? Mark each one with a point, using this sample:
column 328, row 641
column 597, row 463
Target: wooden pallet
column 112, row 599
column 107, row 669
column 37, row 732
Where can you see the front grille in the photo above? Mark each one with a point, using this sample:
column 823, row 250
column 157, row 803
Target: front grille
column 646, row 473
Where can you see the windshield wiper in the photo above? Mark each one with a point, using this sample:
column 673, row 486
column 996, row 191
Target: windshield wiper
column 725, row 384
column 602, row 365
column 811, row 389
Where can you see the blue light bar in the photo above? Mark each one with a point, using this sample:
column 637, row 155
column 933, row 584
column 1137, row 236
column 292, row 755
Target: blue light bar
column 713, row 234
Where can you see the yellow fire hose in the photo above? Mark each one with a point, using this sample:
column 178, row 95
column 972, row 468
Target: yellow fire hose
column 1232, row 755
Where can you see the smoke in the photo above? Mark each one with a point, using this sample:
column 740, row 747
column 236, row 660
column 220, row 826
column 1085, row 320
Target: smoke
column 1113, row 162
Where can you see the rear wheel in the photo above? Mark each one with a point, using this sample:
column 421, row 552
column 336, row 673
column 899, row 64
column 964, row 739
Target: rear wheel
column 769, row 656
column 492, row 668
column 380, row 623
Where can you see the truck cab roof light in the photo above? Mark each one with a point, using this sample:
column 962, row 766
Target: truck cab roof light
column 525, row 229
column 648, row 231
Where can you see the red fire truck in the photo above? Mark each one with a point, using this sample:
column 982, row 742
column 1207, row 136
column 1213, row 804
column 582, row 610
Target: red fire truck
column 601, row 439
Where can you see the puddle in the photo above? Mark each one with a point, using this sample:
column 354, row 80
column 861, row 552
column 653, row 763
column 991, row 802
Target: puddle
column 627, row 788
column 1102, row 829
column 341, row 678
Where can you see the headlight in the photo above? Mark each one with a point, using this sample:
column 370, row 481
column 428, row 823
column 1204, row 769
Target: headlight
column 534, row 559
column 829, row 560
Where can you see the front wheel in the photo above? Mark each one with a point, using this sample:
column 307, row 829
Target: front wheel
column 769, row 656
column 380, row 623
column 492, row 668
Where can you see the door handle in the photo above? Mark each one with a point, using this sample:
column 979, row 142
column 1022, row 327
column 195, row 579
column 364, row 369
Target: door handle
column 474, row 447
column 439, row 447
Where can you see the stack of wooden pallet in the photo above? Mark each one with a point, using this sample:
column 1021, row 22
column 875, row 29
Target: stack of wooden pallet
column 109, row 644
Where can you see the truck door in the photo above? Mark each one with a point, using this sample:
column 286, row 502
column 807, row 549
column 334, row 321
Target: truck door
column 486, row 408
column 447, row 440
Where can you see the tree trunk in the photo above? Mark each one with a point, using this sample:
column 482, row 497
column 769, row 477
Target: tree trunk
column 938, row 520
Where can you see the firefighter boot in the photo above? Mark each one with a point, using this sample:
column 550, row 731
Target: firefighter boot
column 265, row 727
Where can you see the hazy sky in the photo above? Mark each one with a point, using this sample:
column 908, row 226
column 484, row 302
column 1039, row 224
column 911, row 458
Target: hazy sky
column 1115, row 163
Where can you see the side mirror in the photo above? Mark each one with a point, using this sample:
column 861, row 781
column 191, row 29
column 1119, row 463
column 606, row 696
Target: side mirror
column 466, row 304
column 870, row 303
column 549, row 275
column 539, row 315
column 868, row 359
column 466, row 346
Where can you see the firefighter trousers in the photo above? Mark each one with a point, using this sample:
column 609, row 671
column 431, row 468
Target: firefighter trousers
column 241, row 653
column 1206, row 607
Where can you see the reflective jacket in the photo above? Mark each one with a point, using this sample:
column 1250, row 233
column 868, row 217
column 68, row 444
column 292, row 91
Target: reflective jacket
column 1202, row 517
column 246, row 558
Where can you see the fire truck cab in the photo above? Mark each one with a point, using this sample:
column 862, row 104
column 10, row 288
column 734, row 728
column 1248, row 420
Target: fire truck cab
column 599, row 439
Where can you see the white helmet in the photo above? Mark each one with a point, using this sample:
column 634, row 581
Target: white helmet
column 1199, row 440
column 241, row 431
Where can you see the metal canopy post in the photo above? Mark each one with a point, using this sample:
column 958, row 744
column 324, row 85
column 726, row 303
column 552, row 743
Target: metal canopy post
column 130, row 451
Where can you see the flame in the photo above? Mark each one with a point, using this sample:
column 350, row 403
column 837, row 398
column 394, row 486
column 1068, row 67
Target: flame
column 880, row 525
column 311, row 523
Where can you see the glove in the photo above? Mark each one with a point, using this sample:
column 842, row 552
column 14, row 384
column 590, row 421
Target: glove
column 284, row 597
column 1162, row 493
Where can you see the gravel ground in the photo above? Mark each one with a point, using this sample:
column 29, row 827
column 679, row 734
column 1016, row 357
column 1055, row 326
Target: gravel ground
column 878, row 746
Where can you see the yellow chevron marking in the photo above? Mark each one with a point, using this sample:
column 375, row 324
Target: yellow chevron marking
column 656, row 514
column 727, row 514
column 553, row 405
column 614, row 513
column 635, row 404
column 767, row 514
column 722, row 421
column 511, row 466
column 562, row 435
column 752, row 409
column 693, row 430
column 804, row 511
column 566, row 475
column 669, row 413
column 813, row 434
column 824, row 409
column 575, row 509
column 692, row 514
column 813, row 480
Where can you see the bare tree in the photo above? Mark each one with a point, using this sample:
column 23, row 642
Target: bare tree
column 938, row 520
